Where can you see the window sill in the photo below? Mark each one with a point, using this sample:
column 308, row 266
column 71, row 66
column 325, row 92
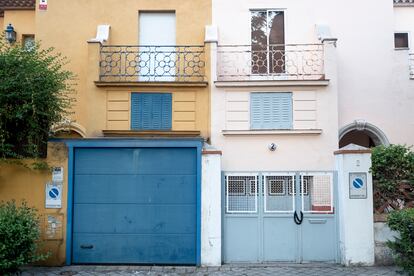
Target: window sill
column 150, row 84
column 256, row 83
column 151, row 133
column 271, row 132
column 402, row 49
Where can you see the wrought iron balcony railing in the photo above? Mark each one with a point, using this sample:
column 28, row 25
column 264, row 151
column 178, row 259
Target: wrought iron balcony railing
column 411, row 65
column 404, row 3
column 152, row 64
column 270, row 62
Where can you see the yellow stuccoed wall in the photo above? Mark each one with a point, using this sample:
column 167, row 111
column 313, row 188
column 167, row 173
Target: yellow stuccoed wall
column 20, row 183
column 68, row 25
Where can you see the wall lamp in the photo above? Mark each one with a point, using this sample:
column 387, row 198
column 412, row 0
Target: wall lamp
column 10, row 34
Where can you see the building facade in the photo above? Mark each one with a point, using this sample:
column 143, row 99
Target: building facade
column 203, row 131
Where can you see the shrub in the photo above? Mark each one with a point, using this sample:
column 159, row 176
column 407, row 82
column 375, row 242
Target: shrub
column 19, row 234
column 402, row 221
column 390, row 166
column 35, row 94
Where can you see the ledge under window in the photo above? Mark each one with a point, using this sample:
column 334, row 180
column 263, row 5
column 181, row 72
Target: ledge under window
column 150, row 84
column 151, row 133
column 271, row 132
column 252, row 83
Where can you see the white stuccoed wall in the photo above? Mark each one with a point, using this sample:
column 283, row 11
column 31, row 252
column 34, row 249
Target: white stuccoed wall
column 211, row 208
column 356, row 230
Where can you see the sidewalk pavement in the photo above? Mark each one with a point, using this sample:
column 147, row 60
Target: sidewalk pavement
column 225, row 270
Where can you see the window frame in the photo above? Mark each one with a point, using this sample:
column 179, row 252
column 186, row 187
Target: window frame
column 408, row 40
column 267, row 10
column 23, row 42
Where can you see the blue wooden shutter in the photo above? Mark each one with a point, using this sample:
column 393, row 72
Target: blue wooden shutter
column 271, row 110
column 151, row 111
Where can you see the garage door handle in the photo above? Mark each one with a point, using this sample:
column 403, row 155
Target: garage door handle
column 86, row 246
column 317, row 221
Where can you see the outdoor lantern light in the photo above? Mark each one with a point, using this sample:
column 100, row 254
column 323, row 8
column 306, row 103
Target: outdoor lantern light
column 10, row 34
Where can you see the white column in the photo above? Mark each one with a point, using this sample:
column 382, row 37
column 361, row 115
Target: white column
column 356, row 221
column 211, row 208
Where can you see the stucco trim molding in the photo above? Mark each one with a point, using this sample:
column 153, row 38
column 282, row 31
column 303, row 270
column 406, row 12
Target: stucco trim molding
column 271, row 132
column 377, row 135
column 71, row 126
column 150, row 84
column 283, row 83
column 148, row 133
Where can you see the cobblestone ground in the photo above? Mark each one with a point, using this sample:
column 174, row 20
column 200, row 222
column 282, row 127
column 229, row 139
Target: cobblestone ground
column 254, row 270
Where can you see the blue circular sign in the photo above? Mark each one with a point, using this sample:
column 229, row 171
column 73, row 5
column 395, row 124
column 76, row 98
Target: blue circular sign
column 54, row 192
column 358, row 183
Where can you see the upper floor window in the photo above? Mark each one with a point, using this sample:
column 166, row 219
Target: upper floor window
column 268, row 39
column 151, row 111
column 271, row 110
column 401, row 41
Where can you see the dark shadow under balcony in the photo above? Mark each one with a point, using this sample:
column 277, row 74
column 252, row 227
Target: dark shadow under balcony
column 270, row 62
column 152, row 64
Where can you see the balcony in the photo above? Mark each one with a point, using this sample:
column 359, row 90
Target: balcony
column 411, row 65
column 294, row 62
column 152, row 64
column 404, row 3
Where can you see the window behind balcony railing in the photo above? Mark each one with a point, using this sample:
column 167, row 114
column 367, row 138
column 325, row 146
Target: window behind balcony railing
column 267, row 39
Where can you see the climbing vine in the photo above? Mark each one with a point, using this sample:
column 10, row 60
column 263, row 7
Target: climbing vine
column 393, row 172
column 35, row 93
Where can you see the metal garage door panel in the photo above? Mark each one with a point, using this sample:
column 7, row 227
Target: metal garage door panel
column 135, row 189
column 132, row 218
column 159, row 161
column 135, row 205
column 130, row 248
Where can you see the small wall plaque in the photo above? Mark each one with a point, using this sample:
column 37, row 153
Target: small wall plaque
column 358, row 185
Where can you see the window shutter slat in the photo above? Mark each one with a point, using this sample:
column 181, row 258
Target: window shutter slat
column 166, row 114
column 135, row 109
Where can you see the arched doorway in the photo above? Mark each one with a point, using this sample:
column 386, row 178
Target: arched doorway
column 361, row 133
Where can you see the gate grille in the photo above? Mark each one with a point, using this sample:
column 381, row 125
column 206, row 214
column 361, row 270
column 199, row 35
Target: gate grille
column 278, row 195
column 316, row 192
column 241, row 193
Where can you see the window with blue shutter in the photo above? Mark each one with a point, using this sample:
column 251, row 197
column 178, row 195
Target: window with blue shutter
column 271, row 110
column 151, row 111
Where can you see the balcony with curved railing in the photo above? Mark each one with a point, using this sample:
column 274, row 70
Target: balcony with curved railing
column 132, row 64
column 270, row 62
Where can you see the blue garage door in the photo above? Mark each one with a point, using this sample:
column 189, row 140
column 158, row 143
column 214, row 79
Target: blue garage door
column 135, row 205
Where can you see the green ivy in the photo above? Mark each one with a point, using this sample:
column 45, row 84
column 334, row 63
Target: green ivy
column 35, row 94
column 19, row 236
column 390, row 166
column 402, row 221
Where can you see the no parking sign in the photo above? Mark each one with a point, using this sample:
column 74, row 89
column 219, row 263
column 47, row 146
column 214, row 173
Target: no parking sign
column 53, row 195
column 357, row 185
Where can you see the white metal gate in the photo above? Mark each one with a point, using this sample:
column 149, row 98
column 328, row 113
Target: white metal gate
column 280, row 216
